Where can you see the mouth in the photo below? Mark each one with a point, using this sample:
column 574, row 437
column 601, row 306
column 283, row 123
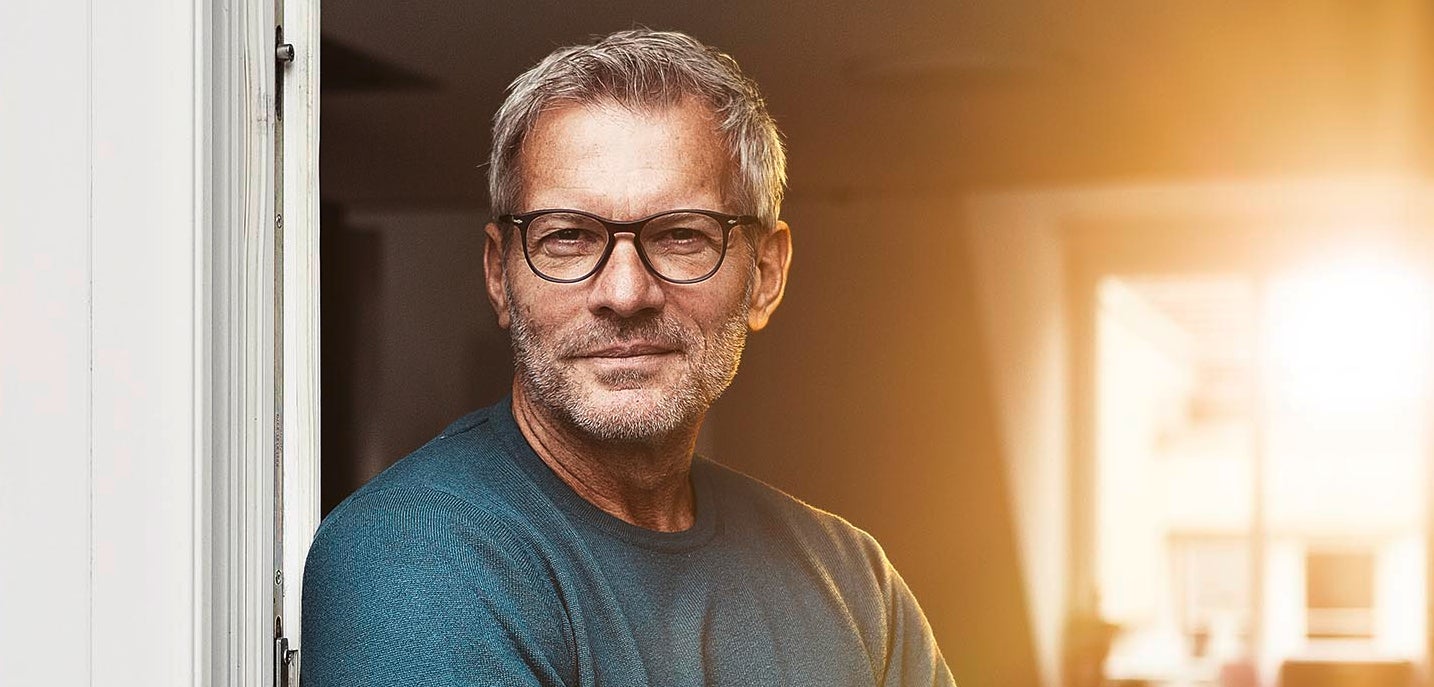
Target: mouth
column 636, row 349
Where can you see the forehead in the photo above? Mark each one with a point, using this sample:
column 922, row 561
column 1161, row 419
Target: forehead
column 624, row 163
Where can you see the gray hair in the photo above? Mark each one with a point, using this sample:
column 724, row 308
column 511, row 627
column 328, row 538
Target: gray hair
column 642, row 68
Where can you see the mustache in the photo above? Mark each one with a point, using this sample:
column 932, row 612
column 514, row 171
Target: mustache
column 606, row 333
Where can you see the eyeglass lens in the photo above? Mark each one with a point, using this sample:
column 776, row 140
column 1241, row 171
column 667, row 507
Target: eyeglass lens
column 679, row 246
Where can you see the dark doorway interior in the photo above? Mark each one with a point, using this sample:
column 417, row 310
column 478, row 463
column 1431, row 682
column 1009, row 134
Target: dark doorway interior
column 871, row 393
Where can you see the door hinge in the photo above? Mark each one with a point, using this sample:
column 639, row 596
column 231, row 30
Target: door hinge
column 283, row 56
column 286, row 664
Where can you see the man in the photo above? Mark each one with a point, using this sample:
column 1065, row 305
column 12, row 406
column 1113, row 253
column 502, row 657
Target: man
column 568, row 535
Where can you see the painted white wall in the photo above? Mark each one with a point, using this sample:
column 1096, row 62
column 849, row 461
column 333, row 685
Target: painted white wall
column 45, row 348
column 100, row 174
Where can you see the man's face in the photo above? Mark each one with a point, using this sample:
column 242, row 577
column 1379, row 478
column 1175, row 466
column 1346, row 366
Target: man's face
column 624, row 355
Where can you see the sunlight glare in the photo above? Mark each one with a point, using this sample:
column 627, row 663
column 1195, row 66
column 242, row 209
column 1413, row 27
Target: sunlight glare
column 1350, row 337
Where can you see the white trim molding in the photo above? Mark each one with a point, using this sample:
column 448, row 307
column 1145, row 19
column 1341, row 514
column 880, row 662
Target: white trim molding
column 300, row 167
column 241, row 318
column 263, row 255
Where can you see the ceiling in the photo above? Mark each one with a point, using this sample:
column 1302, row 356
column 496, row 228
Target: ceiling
column 915, row 99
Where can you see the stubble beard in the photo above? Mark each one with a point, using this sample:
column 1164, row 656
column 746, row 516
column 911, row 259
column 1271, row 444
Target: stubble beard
column 647, row 414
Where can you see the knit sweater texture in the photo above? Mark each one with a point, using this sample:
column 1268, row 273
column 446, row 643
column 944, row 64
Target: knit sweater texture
column 471, row 563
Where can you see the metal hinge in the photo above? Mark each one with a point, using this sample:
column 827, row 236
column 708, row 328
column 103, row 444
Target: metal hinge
column 286, row 664
column 283, row 56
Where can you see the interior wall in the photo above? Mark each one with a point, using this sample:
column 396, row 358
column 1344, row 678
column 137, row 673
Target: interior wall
column 1018, row 262
column 420, row 346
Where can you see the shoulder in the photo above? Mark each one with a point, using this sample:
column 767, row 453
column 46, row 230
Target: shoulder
column 447, row 519
column 417, row 537
column 378, row 526
column 430, row 561
column 410, row 586
column 464, row 473
column 459, row 491
column 831, row 554
column 750, row 503
column 744, row 490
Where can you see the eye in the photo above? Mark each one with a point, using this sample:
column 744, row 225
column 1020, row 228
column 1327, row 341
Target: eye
column 566, row 235
column 682, row 240
column 680, row 235
column 683, row 234
column 567, row 241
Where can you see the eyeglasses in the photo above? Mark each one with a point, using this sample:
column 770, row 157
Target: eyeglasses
column 679, row 246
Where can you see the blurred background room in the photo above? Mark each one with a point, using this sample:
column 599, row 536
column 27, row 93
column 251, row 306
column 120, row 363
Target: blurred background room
column 1110, row 320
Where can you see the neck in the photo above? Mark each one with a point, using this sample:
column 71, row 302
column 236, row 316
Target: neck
column 646, row 484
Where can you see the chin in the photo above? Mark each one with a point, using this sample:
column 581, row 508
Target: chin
column 634, row 414
column 638, row 403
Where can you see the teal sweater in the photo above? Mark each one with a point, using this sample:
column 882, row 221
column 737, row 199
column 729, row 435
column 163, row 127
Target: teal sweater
column 471, row 563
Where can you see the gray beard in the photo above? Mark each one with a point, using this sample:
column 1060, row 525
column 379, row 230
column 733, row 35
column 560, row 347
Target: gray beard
column 548, row 381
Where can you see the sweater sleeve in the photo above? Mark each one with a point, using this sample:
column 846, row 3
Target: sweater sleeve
column 416, row 588
column 912, row 657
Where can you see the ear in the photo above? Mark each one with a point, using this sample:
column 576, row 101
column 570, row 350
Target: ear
column 493, row 272
column 774, row 257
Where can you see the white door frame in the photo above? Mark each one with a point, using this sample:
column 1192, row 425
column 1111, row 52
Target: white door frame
column 301, row 402
column 262, row 381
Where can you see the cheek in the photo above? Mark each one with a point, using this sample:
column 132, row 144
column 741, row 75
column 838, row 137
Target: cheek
column 710, row 316
column 548, row 306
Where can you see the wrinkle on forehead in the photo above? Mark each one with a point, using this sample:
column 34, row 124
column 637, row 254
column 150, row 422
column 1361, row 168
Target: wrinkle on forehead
column 623, row 162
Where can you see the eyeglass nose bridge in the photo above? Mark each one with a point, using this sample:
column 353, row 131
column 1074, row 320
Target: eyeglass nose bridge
column 614, row 231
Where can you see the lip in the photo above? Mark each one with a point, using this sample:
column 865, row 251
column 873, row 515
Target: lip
column 628, row 350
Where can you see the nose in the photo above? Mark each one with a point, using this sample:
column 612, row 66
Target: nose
column 624, row 287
